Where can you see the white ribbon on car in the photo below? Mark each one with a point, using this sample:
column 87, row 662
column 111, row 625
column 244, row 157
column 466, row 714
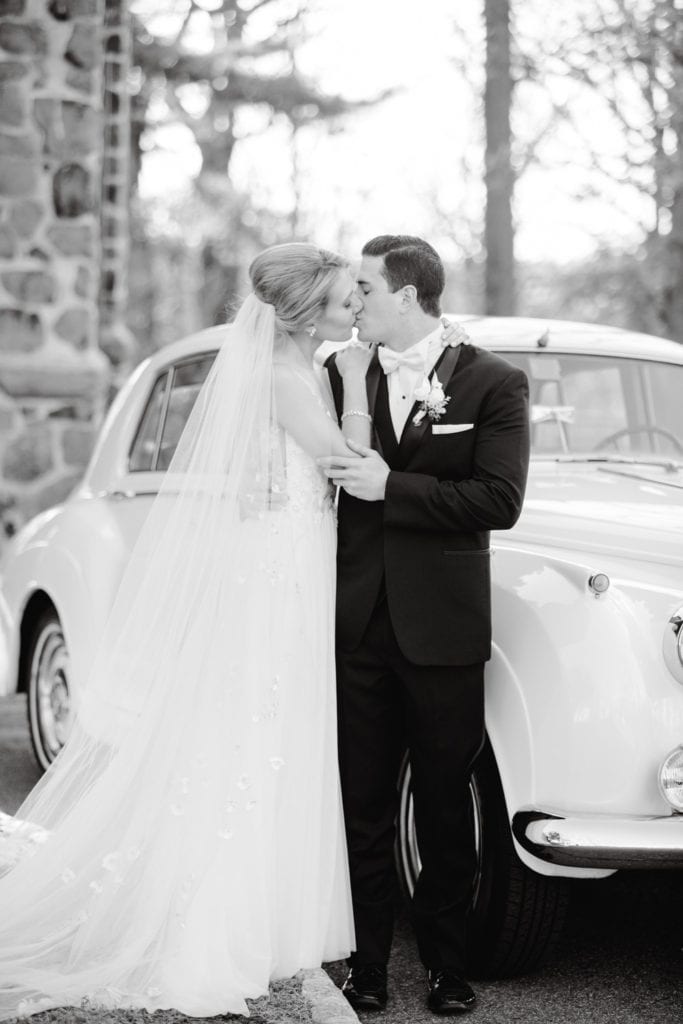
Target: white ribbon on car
column 552, row 413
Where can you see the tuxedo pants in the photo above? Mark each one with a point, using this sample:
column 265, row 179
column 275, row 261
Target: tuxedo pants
column 385, row 704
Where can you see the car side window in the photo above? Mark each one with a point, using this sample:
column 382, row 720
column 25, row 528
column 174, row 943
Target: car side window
column 169, row 405
column 188, row 378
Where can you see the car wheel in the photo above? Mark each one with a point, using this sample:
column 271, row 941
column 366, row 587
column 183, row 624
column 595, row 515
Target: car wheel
column 516, row 915
column 47, row 686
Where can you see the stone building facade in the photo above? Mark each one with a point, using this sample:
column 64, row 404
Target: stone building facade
column 63, row 239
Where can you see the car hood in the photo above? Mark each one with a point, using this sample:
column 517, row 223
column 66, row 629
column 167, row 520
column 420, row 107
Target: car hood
column 634, row 511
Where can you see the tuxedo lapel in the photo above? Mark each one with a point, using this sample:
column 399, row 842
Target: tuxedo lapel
column 372, row 379
column 412, row 434
column 336, row 385
column 386, row 440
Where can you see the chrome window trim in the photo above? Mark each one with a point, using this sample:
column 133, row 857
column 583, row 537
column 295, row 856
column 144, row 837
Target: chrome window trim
column 168, row 388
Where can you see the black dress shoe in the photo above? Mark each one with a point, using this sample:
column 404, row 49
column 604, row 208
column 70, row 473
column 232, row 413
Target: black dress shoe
column 366, row 987
column 449, row 993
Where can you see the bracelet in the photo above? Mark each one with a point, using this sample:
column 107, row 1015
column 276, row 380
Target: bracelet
column 356, row 412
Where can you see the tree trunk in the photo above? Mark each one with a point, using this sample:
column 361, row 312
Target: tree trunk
column 499, row 176
column 673, row 292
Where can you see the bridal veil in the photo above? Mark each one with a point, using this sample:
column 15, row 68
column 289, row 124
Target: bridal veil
column 194, row 845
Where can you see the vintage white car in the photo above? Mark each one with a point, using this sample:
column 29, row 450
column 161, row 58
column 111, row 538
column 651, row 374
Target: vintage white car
column 582, row 773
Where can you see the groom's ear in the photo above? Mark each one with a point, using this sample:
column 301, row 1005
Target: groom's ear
column 408, row 297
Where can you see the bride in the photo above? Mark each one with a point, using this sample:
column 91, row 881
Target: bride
column 194, row 844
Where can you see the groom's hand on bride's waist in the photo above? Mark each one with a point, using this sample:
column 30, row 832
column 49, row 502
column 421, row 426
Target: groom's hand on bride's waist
column 364, row 477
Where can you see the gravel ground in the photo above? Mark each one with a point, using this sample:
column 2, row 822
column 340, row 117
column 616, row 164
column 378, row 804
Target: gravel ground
column 285, row 1005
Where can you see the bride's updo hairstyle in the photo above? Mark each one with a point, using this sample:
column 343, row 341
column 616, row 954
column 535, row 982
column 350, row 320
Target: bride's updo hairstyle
column 295, row 278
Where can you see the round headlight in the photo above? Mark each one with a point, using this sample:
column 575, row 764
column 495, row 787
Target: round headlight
column 673, row 645
column 671, row 779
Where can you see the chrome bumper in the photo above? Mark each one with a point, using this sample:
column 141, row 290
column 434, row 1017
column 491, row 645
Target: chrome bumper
column 601, row 841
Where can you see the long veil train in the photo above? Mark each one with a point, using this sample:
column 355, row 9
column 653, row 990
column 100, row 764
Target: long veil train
column 195, row 849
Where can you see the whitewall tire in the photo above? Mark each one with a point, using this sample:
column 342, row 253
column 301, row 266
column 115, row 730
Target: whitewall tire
column 47, row 686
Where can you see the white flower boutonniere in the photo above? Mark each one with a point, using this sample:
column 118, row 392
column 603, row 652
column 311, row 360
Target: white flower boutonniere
column 432, row 400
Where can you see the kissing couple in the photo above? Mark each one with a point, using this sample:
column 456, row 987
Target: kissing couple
column 308, row 597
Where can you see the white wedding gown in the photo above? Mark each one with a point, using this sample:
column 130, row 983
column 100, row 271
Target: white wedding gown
column 231, row 870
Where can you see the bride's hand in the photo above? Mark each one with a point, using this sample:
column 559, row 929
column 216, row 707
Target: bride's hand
column 354, row 359
column 452, row 334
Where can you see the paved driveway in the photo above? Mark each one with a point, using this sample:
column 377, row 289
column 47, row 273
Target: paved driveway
column 619, row 962
column 18, row 768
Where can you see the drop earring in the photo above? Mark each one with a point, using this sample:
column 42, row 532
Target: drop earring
column 312, row 331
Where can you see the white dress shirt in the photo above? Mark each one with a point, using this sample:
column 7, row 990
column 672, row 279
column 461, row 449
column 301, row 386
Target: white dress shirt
column 402, row 382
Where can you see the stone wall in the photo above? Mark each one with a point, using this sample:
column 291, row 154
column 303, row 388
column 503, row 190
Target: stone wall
column 53, row 374
column 116, row 339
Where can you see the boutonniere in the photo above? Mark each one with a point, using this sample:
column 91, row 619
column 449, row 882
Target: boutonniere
column 432, row 400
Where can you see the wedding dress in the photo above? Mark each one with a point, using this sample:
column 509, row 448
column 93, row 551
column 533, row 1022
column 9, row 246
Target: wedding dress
column 193, row 839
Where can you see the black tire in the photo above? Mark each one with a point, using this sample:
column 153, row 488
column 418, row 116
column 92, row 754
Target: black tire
column 516, row 915
column 46, row 678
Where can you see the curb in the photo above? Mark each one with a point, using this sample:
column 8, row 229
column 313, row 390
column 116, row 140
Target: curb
column 324, row 999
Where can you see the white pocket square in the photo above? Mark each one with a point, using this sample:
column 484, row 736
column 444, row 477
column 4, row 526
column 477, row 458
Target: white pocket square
column 451, row 428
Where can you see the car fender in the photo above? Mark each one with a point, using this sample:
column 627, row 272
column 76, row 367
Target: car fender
column 74, row 557
column 570, row 674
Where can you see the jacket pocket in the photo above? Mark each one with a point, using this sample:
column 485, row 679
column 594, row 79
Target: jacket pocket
column 451, row 428
column 470, row 551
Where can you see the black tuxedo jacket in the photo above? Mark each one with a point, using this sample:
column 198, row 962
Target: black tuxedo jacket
column 427, row 543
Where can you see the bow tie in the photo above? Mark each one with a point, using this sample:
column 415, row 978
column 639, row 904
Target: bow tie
column 390, row 361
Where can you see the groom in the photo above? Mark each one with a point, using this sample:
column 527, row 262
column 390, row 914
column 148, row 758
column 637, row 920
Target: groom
column 449, row 464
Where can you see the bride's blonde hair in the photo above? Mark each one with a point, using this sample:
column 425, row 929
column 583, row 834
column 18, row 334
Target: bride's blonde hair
column 295, row 278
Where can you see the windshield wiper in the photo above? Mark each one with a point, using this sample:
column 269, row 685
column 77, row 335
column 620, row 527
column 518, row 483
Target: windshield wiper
column 628, row 460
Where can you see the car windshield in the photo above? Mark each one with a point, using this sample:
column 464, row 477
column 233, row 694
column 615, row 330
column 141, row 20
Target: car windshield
column 597, row 406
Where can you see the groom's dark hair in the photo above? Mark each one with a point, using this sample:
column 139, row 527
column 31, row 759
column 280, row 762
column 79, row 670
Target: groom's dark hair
column 410, row 260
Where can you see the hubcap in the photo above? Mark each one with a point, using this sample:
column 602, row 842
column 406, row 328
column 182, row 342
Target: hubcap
column 50, row 684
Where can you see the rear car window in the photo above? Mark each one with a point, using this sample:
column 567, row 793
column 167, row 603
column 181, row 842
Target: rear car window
column 166, row 412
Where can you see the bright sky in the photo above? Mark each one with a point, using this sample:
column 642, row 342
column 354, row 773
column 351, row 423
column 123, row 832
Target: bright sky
column 411, row 164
